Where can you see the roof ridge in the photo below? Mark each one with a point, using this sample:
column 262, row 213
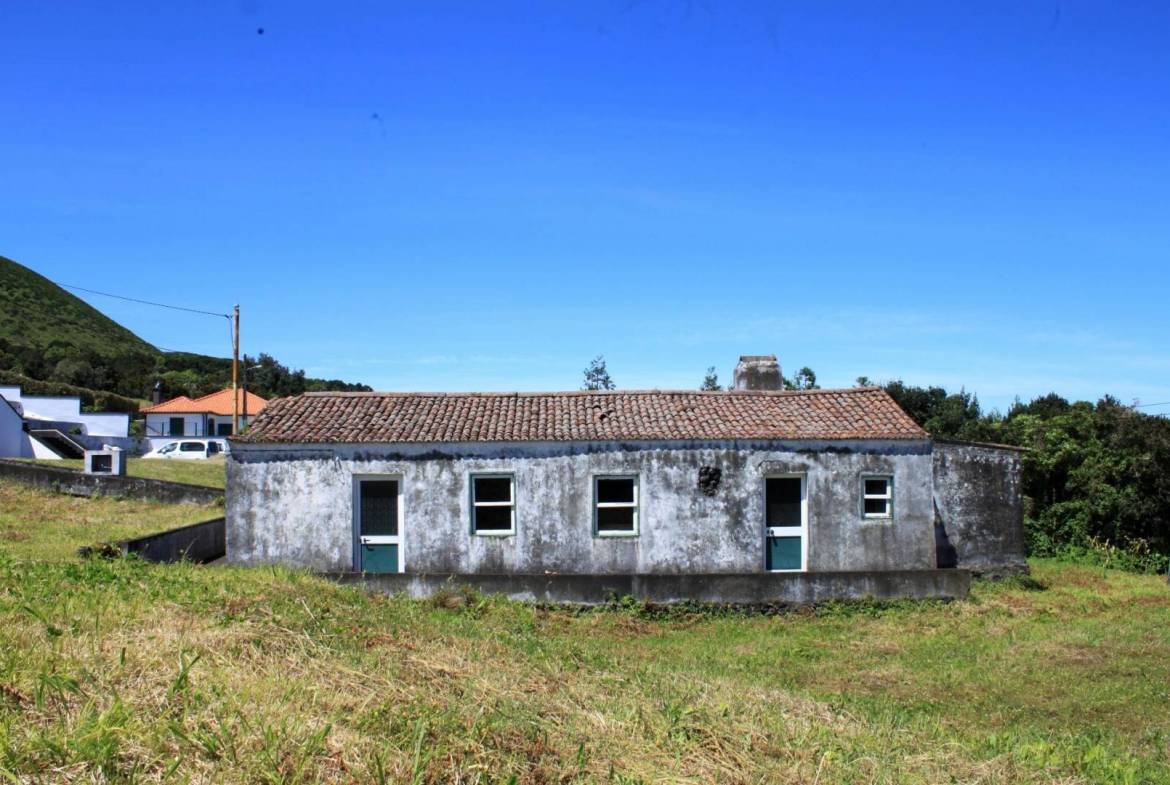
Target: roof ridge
column 571, row 393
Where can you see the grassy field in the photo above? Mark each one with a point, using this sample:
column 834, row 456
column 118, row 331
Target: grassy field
column 119, row 671
column 206, row 472
column 51, row 527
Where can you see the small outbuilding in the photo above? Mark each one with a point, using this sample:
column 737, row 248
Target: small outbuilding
column 753, row 495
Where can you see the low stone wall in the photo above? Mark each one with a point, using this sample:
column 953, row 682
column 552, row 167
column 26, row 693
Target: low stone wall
column 199, row 542
column 75, row 483
column 745, row 589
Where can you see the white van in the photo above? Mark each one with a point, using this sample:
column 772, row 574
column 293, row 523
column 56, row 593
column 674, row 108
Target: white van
column 189, row 449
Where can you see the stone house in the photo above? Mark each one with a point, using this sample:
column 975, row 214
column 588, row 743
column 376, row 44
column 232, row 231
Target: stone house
column 749, row 495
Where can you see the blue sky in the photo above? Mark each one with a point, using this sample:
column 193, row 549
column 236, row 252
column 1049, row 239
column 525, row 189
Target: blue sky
column 465, row 196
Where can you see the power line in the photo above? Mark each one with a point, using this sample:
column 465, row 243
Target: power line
column 1146, row 405
column 145, row 302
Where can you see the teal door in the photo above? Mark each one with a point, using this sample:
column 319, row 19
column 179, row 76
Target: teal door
column 379, row 541
column 786, row 523
column 784, row 553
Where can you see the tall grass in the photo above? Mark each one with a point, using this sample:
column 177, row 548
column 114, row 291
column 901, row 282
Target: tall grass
column 119, row 671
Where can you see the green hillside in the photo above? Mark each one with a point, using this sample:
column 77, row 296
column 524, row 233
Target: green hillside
column 49, row 335
column 36, row 312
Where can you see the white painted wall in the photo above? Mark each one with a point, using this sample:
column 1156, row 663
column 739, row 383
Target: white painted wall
column 11, row 431
column 32, row 448
column 105, row 424
column 60, row 408
column 159, row 425
column 51, row 407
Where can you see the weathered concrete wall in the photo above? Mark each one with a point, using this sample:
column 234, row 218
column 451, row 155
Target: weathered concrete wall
column 198, row 542
column 979, row 508
column 75, row 483
column 753, row 589
column 295, row 505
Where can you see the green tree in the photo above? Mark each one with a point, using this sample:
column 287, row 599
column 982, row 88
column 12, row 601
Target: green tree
column 710, row 381
column 804, row 379
column 597, row 376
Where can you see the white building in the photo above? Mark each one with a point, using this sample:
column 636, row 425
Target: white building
column 42, row 426
column 210, row 415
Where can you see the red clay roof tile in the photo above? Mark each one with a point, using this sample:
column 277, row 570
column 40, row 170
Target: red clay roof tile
column 216, row 403
column 647, row 415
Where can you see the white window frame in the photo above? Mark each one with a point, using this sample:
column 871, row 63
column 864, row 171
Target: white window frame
column 636, row 505
column 399, row 539
column 475, row 505
column 790, row 531
column 888, row 497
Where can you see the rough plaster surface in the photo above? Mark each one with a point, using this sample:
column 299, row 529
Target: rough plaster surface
column 295, row 505
column 979, row 508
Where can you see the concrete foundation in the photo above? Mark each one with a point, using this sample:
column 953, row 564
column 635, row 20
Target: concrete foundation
column 751, row 589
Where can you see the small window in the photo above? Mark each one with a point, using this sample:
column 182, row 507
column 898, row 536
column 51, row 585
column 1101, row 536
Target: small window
column 192, row 447
column 493, row 504
column 615, row 506
column 877, row 497
column 212, row 448
column 169, row 448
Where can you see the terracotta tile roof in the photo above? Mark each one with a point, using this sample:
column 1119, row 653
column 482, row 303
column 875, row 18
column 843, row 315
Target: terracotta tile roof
column 651, row 415
column 217, row 403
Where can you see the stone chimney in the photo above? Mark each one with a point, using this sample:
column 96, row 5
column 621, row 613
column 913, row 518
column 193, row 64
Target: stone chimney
column 757, row 372
column 156, row 393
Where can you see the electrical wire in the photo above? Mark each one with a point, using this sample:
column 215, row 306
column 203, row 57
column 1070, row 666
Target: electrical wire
column 144, row 302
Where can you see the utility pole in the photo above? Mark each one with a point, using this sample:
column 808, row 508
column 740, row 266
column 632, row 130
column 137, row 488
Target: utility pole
column 236, row 372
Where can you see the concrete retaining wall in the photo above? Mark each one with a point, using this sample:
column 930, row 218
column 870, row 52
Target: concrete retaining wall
column 751, row 589
column 199, row 542
column 75, row 483
column 979, row 511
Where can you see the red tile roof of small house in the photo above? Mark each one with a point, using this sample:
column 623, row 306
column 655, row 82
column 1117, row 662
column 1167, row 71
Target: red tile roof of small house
column 219, row 403
column 646, row 415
